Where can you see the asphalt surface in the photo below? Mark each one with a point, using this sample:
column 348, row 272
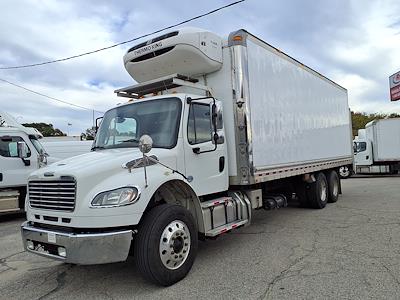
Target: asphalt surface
column 349, row 250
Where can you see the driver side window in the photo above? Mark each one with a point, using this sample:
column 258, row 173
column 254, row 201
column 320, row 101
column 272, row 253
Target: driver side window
column 9, row 147
column 199, row 124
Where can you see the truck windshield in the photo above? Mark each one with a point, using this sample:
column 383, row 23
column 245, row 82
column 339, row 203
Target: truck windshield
column 123, row 126
column 38, row 146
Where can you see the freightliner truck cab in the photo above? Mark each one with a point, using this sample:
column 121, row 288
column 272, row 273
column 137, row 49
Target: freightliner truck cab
column 91, row 208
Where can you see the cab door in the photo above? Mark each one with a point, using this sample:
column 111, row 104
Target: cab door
column 363, row 156
column 13, row 171
column 206, row 163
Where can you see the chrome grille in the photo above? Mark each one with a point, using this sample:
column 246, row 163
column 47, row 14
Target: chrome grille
column 52, row 194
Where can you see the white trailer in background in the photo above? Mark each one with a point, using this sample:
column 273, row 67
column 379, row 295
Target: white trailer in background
column 14, row 171
column 245, row 127
column 377, row 147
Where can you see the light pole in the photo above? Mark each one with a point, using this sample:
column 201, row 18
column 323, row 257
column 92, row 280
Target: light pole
column 68, row 126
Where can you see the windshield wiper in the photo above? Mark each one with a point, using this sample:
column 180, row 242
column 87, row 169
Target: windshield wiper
column 97, row 147
column 130, row 141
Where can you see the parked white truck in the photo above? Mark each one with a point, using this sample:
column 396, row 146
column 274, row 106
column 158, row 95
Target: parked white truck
column 377, row 147
column 14, row 170
column 190, row 156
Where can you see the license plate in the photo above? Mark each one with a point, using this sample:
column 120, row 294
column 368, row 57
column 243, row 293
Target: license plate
column 51, row 237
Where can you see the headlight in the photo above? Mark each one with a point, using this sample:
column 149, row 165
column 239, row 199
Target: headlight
column 117, row 197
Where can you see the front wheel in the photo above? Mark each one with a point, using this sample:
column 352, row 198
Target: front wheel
column 166, row 244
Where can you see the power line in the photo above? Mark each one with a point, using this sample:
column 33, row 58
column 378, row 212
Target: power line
column 125, row 42
column 52, row 98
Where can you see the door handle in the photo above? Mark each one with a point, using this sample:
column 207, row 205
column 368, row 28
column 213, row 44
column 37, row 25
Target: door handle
column 221, row 163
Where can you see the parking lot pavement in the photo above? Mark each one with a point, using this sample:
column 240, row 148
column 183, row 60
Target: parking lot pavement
column 349, row 250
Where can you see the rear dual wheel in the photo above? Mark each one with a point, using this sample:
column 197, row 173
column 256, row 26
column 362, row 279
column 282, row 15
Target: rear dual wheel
column 333, row 186
column 317, row 194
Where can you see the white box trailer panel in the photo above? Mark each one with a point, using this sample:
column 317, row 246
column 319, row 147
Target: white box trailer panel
column 297, row 115
column 385, row 137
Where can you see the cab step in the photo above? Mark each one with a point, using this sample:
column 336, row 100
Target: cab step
column 223, row 214
column 225, row 228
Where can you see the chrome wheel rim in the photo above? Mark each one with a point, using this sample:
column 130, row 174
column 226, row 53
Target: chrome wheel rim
column 344, row 171
column 174, row 245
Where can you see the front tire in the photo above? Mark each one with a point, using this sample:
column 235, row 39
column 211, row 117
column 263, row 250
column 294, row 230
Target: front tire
column 166, row 244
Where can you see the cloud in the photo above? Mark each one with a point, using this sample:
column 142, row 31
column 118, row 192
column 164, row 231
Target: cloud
column 353, row 42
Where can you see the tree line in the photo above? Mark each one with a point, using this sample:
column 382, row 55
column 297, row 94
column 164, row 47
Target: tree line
column 359, row 120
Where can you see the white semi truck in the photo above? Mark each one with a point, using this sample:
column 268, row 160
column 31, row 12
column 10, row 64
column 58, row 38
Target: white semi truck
column 214, row 129
column 377, row 147
column 14, row 170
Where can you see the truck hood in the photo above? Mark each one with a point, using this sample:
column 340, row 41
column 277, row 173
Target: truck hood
column 101, row 162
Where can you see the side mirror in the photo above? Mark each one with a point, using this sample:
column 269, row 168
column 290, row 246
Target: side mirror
column 219, row 118
column 22, row 150
column 145, row 144
column 219, row 138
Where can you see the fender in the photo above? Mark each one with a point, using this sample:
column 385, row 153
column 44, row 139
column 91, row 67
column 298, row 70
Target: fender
column 178, row 191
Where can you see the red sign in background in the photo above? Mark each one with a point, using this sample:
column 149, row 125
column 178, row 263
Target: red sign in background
column 395, row 93
column 394, row 82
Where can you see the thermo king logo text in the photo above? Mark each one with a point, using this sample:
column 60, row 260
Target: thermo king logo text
column 148, row 48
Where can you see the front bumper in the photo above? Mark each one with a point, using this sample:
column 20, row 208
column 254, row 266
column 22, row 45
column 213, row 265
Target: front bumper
column 82, row 249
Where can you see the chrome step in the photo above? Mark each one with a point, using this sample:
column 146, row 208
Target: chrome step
column 225, row 213
column 215, row 202
column 225, row 228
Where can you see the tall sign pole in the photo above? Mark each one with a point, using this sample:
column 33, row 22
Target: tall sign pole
column 394, row 82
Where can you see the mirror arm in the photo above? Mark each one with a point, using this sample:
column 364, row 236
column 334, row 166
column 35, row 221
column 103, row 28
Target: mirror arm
column 169, row 168
column 26, row 162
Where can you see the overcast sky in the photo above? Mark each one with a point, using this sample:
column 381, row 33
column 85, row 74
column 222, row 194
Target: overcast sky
column 355, row 43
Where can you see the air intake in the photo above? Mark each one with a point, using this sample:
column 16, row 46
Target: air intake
column 52, row 194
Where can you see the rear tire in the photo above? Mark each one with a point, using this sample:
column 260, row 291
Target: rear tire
column 333, row 186
column 317, row 193
column 166, row 244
